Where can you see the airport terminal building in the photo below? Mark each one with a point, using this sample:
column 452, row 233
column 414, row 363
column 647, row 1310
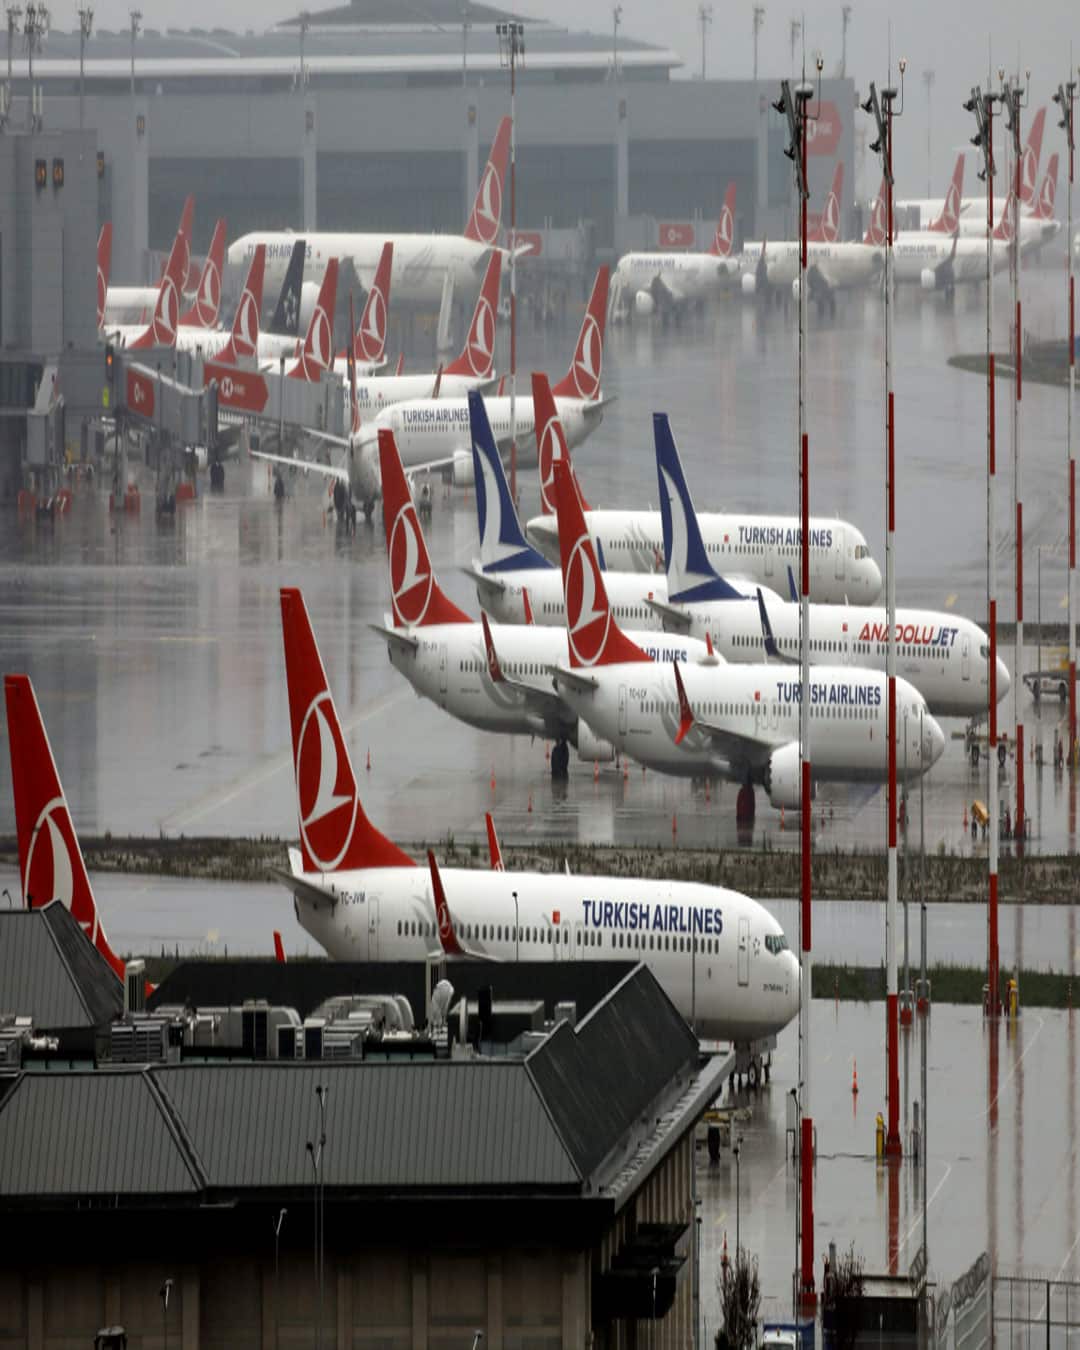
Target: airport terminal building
column 386, row 123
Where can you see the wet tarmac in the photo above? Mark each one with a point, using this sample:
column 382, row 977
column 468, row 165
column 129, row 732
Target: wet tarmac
column 1002, row 1172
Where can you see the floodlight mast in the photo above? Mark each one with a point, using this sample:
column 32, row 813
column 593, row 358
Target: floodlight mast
column 793, row 104
column 1065, row 98
column 982, row 105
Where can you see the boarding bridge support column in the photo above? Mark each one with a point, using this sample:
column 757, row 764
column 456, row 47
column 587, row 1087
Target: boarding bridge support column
column 622, row 159
column 472, row 157
column 131, row 202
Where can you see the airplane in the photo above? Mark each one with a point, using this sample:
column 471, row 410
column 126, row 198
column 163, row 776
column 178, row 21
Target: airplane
column 769, row 267
column 930, row 208
column 492, row 677
column 104, row 263
column 736, row 721
column 316, row 356
column 204, row 309
column 825, row 228
column 369, row 339
column 938, row 263
column 281, row 337
column 645, row 281
column 514, row 582
column 128, row 305
column 720, row 956
column 51, row 864
column 421, row 261
column 945, row 657
column 163, row 326
column 434, row 434
column 473, row 368
column 241, row 341
column 754, row 548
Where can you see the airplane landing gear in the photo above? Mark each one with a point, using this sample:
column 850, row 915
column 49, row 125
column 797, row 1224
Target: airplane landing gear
column 745, row 805
column 369, row 509
column 560, row 760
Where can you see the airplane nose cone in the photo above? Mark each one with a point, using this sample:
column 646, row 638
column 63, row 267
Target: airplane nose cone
column 795, row 985
column 873, row 580
column 936, row 737
column 1004, row 679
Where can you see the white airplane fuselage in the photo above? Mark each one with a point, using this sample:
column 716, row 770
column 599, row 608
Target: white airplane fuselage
column 944, row 656
column 840, row 266
column 721, row 957
column 447, row 663
column 755, row 547
column 686, row 276
column 421, row 261
column 636, row 708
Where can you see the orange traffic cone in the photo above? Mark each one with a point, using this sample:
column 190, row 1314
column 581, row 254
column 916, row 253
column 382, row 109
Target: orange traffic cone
column 854, row 1079
column 530, row 803
column 596, row 771
column 625, row 771
column 724, row 1262
column 782, row 825
column 493, row 778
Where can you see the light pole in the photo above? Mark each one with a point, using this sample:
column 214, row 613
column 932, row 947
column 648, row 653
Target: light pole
column 704, row 15
column 845, row 22
column 616, row 19
column 35, row 25
column 928, row 81
column 465, row 26
column 136, row 20
column 279, row 1223
column 884, row 111
column 315, row 1153
column 86, row 23
column 163, row 1294
column 1065, row 98
column 302, row 32
column 737, row 1150
column 511, row 35
column 759, row 19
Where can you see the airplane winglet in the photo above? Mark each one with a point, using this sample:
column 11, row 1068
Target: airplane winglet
column 494, row 669
column 771, row 649
column 444, row 924
column 792, row 588
column 494, row 851
column 686, row 713
column 279, row 948
column 438, row 382
column 528, row 606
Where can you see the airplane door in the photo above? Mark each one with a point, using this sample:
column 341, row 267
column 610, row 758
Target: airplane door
column 622, row 709
column 845, row 646
column 744, row 951
column 373, row 927
column 838, row 545
column 442, row 669
column 965, row 657
column 768, row 560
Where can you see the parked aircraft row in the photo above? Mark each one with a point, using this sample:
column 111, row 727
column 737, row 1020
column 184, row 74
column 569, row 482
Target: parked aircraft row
column 722, row 958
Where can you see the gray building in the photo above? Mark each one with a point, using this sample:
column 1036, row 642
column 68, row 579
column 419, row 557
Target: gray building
column 386, row 126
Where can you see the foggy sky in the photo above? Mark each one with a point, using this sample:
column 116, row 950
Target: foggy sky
column 951, row 37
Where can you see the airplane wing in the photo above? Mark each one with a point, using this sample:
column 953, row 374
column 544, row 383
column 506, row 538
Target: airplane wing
column 549, row 706
column 735, row 747
column 489, row 583
column 301, row 888
column 574, row 677
column 340, row 474
column 772, row 647
column 674, row 618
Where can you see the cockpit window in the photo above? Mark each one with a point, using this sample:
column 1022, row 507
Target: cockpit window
column 775, row 943
column 984, row 651
column 862, row 551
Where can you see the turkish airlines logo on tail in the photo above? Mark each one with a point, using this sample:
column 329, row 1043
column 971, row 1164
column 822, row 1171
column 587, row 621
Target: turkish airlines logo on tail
column 950, row 215
column 552, row 446
column 830, row 219
column 325, row 785
column 479, row 348
column 1048, row 192
column 246, row 327
column 102, row 291
column 50, row 872
column 877, row 222
column 209, row 298
column 587, row 619
column 166, row 313
column 372, row 334
column 725, row 233
column 1028, row 169
column 588, row 359
column 411, row 578
column 487, row 212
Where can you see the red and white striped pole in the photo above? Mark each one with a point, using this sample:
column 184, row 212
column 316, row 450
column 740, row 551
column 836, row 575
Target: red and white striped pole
column 1013, row 104
column 1065, row 99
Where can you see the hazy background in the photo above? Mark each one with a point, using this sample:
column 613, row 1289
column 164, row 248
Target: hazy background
column 958, row 39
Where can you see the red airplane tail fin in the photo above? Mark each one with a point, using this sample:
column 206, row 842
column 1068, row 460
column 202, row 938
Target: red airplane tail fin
column 485, row 218
column 244, row 338
column 827, row 230
column 317, row 353
column 417, row 598
column 594, row 637
column 582, row 380
column 478, row 354
column 369, row 340
column 1029, row 160
column 1045, row 202
column 335, row 834
column 1003, row 232
column 550, row 444
column 204, row 312
column 163, row 325
column 104, row 263
column 877, row 229
column 949, row 220
column 724, row 237
column 50, row 861
column 494, row 851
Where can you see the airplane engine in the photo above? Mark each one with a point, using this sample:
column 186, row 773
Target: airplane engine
column 463, row 469
column 591, row 748
column 782, row 777
column 928, row 279
column 644, row 304
column 749, row 283
column 309, row 293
